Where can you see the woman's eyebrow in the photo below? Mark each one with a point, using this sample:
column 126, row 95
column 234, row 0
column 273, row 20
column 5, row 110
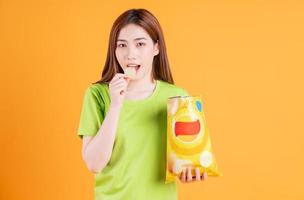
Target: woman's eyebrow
column 140, row 38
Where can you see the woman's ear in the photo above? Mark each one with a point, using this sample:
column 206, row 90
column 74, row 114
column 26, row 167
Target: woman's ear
column 156, row 48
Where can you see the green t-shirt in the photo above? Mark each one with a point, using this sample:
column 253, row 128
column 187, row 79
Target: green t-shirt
column 137, row 166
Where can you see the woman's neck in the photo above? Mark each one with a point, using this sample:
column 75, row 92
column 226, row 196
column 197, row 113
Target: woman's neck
column 141, row 85
column 140, row 89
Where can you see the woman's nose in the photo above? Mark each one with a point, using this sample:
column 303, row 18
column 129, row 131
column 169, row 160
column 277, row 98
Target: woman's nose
column 131, row 54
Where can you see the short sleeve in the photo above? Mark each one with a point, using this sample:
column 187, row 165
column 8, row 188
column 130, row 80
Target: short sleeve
column 92, row 113
column 184, row 92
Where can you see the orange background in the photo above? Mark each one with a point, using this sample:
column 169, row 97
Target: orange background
column 244, row 57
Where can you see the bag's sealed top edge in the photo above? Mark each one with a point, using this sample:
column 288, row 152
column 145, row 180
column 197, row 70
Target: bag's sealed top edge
column 185, row 96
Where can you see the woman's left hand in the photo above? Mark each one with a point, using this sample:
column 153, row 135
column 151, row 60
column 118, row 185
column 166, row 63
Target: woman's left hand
column 186, row 175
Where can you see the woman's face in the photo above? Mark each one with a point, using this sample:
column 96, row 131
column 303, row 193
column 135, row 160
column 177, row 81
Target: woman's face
column 136, row 49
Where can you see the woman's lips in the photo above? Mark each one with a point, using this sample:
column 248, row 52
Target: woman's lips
column 137, row 68
column 187, row 128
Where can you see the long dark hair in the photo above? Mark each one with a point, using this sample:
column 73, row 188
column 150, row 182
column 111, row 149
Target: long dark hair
column 146, row 20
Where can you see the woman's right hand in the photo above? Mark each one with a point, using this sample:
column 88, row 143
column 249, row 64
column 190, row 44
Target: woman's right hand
column 118, row 86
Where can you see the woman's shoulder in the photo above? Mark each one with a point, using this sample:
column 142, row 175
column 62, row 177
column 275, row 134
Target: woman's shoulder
column 98, row 91
column 172, row 89
column 98, row 87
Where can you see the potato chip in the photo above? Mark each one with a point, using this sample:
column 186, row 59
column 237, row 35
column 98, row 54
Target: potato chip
column 130, row 72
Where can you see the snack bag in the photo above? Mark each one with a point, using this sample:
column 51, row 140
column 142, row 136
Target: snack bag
column 188, row 140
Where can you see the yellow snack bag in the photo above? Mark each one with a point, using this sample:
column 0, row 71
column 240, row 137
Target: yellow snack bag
column 188, row 140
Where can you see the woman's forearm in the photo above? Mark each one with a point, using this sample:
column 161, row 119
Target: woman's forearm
column 99, row 150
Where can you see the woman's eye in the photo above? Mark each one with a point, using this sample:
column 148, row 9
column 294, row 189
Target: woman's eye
column 121, row 45
column 141, row 44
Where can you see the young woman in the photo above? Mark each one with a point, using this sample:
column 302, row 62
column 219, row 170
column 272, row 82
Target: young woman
column 123, row 118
